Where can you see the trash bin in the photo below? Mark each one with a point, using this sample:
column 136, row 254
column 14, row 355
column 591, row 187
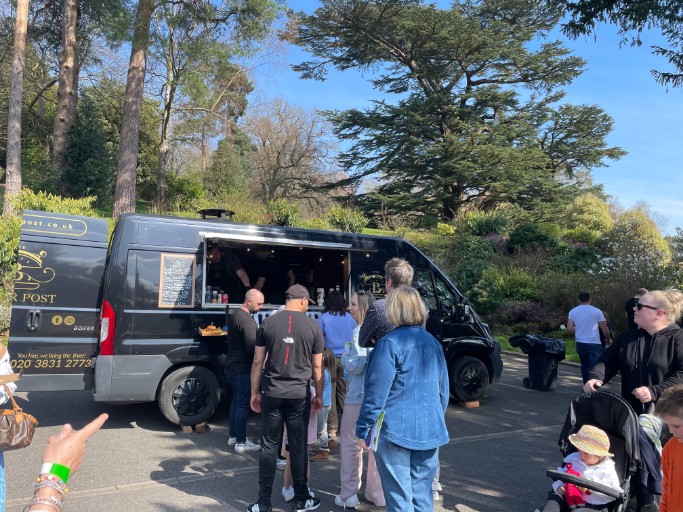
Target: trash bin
column 544, row 354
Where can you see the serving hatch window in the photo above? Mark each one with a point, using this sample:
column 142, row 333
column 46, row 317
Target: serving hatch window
column 232, row 265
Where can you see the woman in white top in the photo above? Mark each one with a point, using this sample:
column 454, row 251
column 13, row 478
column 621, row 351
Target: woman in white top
column 354, row 360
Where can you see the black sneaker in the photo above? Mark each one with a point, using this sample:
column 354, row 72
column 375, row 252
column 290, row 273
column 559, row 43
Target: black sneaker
column 310, row 504
column 255, row 507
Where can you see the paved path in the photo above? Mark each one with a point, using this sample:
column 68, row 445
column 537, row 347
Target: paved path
column 495, row 462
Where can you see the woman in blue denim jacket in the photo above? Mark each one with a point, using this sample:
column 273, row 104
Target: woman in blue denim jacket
column 406, row 377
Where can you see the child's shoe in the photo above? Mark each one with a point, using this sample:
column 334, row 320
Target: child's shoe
column 288, row 493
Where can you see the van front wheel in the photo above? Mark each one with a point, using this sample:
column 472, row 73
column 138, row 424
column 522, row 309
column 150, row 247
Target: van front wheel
column 189, row 395
column 469, row 379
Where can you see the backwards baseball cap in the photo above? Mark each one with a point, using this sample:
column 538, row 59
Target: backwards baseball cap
column 296, row 291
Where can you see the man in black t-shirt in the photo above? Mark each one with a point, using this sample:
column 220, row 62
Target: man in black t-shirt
column 280, row 391
column 226, row 272
column 238, row 361
column 270, row 273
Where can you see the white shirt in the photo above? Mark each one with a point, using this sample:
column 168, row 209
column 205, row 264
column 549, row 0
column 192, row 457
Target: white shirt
column 6, row 369
column 586, row 318
column 602, row 473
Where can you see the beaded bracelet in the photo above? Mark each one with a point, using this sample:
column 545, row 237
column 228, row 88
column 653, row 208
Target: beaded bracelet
column 52, row 478
column 52, row 484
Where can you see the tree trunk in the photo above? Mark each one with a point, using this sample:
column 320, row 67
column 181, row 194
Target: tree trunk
column 13, row 169
column 165, row 144
column 124, row 197
column 67, row 94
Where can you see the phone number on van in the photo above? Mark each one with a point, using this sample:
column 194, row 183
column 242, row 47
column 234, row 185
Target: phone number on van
column 68, row 362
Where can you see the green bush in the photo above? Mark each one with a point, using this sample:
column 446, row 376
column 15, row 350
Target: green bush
column 443, row 229
column 582, row 234
column 9, row 243
column 283, row 212
column 316, row 223
column 480, row 223
column 347, row 219
column 530, row 236
column 499, row 285
column 185, row 191
column 45, row 202
column 576, row 259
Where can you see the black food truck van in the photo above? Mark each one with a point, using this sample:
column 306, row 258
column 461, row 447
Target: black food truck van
column 127, row 317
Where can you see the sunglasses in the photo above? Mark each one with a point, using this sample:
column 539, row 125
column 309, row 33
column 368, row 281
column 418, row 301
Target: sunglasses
column 640, row 306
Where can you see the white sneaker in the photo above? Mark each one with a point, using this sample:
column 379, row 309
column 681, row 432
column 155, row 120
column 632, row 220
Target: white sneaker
column 281, row 464
column 436, row 496
column 232, row 441
column 247, row 446
column 288, row 493
column 350, row 502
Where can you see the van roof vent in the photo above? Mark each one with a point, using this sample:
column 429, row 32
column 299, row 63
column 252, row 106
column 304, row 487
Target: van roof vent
column 218, row 213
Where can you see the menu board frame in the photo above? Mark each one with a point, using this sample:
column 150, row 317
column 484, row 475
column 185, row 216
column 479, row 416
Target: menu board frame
column 191, row 258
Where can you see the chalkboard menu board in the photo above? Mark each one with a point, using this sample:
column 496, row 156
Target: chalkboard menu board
column 176, row 281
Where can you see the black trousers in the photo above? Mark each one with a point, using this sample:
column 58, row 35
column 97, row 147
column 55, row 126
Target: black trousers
column 294, row 413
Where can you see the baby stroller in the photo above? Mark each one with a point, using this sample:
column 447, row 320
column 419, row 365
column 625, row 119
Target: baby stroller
column 615, row 416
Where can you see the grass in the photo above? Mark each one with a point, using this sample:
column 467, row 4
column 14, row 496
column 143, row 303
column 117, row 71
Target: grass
column 569, row 344
column 141, row 206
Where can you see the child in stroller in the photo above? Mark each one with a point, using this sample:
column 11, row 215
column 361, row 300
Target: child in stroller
column 593, row 462
column 610, row 414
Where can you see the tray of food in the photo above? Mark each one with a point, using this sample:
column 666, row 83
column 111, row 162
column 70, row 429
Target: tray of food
column 212, row 330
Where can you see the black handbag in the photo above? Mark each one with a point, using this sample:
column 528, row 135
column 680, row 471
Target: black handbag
column 16, row 426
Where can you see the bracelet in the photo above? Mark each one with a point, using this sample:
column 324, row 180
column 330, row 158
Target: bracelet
column 50, row 502
column 52, row 484
column 58, row 470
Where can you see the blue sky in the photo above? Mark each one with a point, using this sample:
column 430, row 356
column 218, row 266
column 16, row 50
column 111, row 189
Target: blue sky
column 647, row 117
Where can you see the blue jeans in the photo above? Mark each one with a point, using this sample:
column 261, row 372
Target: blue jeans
column 589, row 353
column 406, row 476
column 239, row 407
column 3, row 487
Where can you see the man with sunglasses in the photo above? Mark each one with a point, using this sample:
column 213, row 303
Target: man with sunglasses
column 586, row 321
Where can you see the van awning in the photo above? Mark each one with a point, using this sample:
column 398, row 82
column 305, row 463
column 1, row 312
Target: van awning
column 272, row 240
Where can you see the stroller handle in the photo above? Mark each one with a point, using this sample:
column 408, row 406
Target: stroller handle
column 588, row 484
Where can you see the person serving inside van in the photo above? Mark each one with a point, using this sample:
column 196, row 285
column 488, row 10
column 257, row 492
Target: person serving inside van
column 226, row 272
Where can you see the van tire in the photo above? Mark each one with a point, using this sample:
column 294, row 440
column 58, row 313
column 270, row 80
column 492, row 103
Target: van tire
column 469, row 379
column 189, row 395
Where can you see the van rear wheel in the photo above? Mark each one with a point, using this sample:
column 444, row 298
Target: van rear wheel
column 469, row 379
column 189, row 395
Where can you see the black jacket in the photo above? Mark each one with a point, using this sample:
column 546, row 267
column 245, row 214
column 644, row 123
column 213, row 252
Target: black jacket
column 655, row 361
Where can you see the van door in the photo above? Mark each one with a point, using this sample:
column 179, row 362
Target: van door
column 55, row 311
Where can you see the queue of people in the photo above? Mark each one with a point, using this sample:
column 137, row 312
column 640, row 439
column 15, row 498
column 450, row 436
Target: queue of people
column 276, row 369
column 287, row 357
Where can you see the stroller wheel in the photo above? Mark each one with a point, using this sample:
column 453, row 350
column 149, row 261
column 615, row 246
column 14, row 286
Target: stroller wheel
column 527, row 383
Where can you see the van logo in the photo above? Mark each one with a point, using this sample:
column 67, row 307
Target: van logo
column 30, row 274
column 374, row 283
